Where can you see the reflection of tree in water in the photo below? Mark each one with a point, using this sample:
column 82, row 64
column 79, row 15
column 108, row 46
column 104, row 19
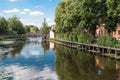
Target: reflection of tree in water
column 45, row 45
column 74, row 65
column 14, row 53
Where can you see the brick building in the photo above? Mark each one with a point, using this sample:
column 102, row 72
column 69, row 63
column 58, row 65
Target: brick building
column 116, row 33
column 101, row 31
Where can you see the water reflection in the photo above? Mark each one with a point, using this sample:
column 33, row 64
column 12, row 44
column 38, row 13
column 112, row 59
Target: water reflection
column 30, row 73
column 14, row 51
column 28, row 62
column 52, row 45
column 45, row 45
column 49, row 61
column 75, row 65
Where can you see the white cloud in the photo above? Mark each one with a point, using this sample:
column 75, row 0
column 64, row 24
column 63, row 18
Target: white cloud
column 14, row 10
column 21, row 20
column 30, row 73
column 26, row 10
column 30, row 23
column 48, row 19
column 36, row 13
column 12, row 0
column 32, row 50
column 22, row 12
column 51, row 23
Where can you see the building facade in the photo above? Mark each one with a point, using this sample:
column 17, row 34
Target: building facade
column 101, row 31
column 116, row 34
column 52, row 32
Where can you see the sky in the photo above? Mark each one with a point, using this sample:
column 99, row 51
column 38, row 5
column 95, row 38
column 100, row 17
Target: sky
column 30, row 12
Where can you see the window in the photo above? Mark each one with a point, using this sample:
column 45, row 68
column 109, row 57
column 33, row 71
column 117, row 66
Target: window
column 119, row 32
column 114, row 33
column 101, row 32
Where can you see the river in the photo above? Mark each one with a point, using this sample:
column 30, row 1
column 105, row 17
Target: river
column 37, row 60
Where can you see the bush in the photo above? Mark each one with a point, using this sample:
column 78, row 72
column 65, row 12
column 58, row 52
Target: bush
column 74, row 37
column 117, row 45
column 66, row 37
column 59, row 36
column 107, row 41
column 101, row 40
column 85, row 38
column 70, row 37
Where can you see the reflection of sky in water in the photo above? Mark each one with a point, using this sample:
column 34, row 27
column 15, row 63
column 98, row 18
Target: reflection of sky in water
column 31, row 64
column 32, row 50
column 30, row 73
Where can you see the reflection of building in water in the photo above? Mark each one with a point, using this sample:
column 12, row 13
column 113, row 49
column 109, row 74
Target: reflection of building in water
column 98, row 63
column 52, row 45
column 108, row 67
column 117, row 66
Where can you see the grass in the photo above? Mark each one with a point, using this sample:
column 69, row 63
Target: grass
column 12, row 39
column 51, row 40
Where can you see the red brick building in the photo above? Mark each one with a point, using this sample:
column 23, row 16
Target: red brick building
column 116, row 33
column 101, row 31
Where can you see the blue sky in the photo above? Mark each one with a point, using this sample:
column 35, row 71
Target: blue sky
column 29, row 11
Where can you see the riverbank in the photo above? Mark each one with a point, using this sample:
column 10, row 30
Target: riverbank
column 12, row 38
column 7, row 42
column 92, row 48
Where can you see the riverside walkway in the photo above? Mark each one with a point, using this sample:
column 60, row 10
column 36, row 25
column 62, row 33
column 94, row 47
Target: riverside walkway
column 102, row 50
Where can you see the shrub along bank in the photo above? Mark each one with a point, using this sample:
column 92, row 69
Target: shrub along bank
column 108, row 41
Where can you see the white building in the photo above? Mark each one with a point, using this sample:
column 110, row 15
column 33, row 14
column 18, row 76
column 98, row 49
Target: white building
column 52, row 32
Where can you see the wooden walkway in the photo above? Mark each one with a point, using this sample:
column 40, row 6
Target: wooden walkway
column 102, row 50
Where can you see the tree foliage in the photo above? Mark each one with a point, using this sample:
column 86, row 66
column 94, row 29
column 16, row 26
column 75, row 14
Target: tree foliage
column 80, row 15
column 3, row 26
column 113, row 14
column 31, row 28
column 45, row 28
column 15, row 26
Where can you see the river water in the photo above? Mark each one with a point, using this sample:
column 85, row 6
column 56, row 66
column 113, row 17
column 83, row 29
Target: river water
column 38, row 60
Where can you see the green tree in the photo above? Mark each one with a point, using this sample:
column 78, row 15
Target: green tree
column 45, row 28
column 27, row 29
column 3, row 26
column 86, row 14
column 31, row 28
column 15, row 26
column 76, row 15
column 113, row 14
